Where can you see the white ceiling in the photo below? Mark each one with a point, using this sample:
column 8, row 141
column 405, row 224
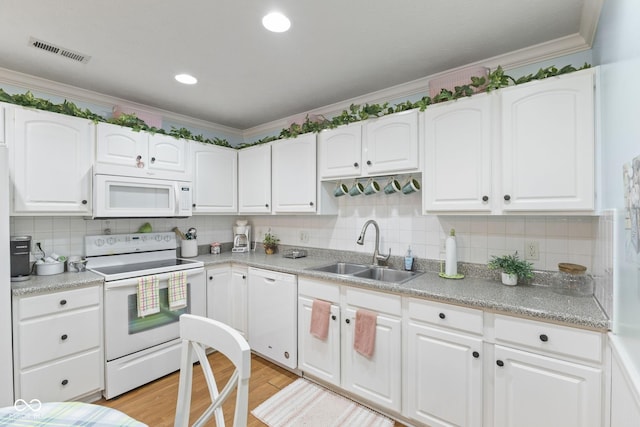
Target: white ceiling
column 336, row 49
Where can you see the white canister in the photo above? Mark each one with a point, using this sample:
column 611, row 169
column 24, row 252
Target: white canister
column 189, row 248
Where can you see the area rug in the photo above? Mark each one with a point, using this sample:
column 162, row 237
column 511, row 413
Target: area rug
column 303, row 403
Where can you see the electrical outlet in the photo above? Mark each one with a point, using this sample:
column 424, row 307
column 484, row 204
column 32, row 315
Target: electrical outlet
column 532, row 250
column 304, row 236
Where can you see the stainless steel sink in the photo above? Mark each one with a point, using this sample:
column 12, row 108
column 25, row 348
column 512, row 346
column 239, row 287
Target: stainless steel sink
column 387, row 274
column 382, row 274
column 341, row 268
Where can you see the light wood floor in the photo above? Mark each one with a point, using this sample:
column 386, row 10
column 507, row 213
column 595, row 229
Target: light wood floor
column 155, row 403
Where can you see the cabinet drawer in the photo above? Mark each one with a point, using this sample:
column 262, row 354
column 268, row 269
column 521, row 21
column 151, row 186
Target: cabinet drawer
column 551, row 338
column 58, row 336
column 64, row 380
column 376, row 301
column 447, row 316
column 319, row 289
column 58, row 302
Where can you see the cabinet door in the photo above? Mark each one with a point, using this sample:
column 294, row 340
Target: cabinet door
column 458, row 156
column 391, row 144
column 121, row 150
column 238, row 301
column 52, row 160
column 377, row 379
column 444, row 377
column 533, row 390
column 219, row 294
column 320, row 358
column 254, row 179
column 215, row 178
column 548, row 144
column 294, row 174
column 340, row 152
column 168, row 157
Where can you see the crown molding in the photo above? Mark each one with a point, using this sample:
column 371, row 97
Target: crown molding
column 106, row 102
column 527, row 56
column 589, row 20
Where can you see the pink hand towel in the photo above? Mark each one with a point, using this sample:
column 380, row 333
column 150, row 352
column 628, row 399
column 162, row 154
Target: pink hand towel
column 365, row 335
column 320, row 312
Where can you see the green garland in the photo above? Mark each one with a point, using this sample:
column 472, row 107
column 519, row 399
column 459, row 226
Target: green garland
column 494, row 80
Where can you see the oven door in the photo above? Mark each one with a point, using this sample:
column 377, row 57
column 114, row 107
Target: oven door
column 126, row 333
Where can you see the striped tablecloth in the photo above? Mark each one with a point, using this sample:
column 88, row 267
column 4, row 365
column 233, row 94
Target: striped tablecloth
column 36, row 414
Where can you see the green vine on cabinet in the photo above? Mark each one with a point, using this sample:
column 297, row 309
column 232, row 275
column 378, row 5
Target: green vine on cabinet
column 495, row 80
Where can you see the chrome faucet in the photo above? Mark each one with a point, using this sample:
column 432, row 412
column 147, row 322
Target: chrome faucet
column 376, row 256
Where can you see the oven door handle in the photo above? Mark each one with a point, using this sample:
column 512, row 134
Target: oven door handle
column 161, row 277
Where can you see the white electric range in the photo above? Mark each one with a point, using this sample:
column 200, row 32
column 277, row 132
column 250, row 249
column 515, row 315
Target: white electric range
column 141, row 349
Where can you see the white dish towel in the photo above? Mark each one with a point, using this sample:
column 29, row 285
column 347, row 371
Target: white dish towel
column 148, row 296
column 177, row 290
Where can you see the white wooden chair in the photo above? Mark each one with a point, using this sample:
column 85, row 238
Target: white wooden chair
column 197, row 333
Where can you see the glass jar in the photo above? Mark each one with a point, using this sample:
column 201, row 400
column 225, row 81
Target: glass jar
column 215, row 248
column 571, row 279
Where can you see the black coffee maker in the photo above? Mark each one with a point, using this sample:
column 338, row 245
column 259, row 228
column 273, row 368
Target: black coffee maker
column 19, row 251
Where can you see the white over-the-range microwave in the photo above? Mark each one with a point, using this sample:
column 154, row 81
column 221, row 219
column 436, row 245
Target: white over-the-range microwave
column 131, row 197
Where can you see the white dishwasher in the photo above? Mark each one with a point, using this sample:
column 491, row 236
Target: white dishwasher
column 273, row 318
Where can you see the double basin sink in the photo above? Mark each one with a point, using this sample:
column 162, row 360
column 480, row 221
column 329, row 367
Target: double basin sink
column 382, row 274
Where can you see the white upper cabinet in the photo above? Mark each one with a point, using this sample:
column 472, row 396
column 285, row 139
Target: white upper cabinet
column 381, row 146
column 215, row 178
column 548, row 144
column 123, row 151
column 254, row 179
column 340, row 152
column 391, row 144
column 457, row 173
column 167, row 154
column 51, row 159
column 294, row 174
column 2, row 125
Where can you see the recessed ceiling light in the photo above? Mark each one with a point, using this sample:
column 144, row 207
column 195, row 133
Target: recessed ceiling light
column 186, row 79
column 276, row 22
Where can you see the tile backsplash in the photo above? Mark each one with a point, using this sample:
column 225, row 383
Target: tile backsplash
column 559, row 238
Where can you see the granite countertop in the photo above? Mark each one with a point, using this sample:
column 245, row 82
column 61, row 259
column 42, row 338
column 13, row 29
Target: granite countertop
column 537, row 302
column 55, row 282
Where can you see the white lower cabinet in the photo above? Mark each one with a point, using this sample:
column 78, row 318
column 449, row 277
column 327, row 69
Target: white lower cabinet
column 443, row 364
column 227, row 296
column 57, row 345
column 534, row 390
column 320, row 358
column 547, row 375
column 376, row 379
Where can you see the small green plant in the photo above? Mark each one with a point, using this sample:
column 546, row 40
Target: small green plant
column 512, row 264
column 270, row 240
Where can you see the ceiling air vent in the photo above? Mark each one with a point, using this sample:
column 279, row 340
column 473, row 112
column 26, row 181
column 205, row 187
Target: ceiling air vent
column 61, row 51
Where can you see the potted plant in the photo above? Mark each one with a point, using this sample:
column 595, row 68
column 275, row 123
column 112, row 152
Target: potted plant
column 270, row 243
column 513, row 268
